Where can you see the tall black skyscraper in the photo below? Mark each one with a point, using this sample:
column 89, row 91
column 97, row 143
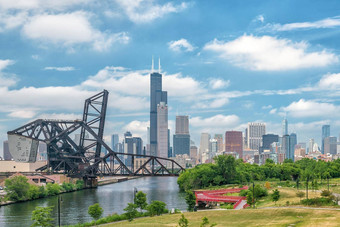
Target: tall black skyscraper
column 156, row 96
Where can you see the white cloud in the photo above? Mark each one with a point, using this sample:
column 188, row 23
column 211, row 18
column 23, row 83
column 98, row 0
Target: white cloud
column 22, row 114
column 324, row 23
column 217, row 121
column 143, row 11
column 70, row 29
column 61, row 116
column 39, row 4
column 311, row 108
column 62, row 69
column 181, row 45
column 5, row 63
column 260, row 18
column 330, row 82
column 6, row 80
column 268, row 53
column 218, row 83
column 267, row 107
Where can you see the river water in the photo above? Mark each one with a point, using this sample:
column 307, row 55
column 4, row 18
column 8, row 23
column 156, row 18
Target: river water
column 113, row 198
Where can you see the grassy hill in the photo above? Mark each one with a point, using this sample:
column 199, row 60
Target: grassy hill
column 248, row 217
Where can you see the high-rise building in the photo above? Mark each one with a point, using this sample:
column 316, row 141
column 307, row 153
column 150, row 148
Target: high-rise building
column 284, row 127
column 292, row 143
column 132, row 145
column 7, row 154
column 162, row 130
column 285, row 146
column 234, row 142
column 267, row 140
column 204, row 146
column 255, row 132
column 213, row 148
column 182, row 125
column 157, row 95
column 220, row 145
column 114, row 141
column 326, row 131
column 330, row 145
column 181, row 140
column 310, row 145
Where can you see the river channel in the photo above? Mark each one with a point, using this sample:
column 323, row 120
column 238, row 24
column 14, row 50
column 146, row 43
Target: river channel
column 113, row 198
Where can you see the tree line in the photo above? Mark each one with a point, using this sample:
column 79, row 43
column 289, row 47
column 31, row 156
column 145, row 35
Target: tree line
column 228, row 170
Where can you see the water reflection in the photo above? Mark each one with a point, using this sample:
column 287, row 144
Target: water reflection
column 113, row 198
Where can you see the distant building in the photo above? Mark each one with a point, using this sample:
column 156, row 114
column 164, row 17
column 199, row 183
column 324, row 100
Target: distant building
column 255, row 132
column 131, row 145
column 220, row 144
column 310, row 145
column 157, row 95
column 292, row 143
column 114, row 141
column 204, row 146
column 326, row 131
column 330, row 145
column 284, row 127
column 234, row 142
column 162, row 130
column 213, row 148
column 194, row 153
column 181, row 139
column 7, row 154
column 267, row 140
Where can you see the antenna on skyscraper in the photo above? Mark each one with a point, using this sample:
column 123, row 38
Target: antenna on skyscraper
column 152, row 65
column 159, row 65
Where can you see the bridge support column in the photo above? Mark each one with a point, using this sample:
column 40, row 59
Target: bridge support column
column 90, row 182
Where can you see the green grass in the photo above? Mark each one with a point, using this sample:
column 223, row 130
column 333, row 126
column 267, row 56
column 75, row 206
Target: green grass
column 248, row 217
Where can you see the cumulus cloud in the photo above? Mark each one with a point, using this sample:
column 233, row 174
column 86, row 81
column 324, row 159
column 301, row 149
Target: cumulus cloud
column 22, row 114
column 324, row 23
column 330, row 82
column 70, row 29
column 311, row 108
column 181, row 45
column 5, row 63
column 143, row 11
column 6, row 80
column 268, row 53
column 218, row 83
column 216, row 123
column 62, row 69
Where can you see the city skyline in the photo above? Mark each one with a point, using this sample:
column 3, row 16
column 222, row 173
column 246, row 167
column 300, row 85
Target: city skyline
column 48, row 71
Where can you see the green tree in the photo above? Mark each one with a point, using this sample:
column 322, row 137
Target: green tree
column 308, row 175
column 131, row 211
column 17, row 188
column 250, row 198
column 183, row 222
column 33, row 192
column 156, row 208
column 140, row 200
column 190, row 199
column 42, row 217
column 275, row 196
column 53, row 189
column 79, row 184
column 95, row 211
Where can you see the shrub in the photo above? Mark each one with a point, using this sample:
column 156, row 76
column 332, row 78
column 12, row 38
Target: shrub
column 326, row 193
column 156, row 208
column 79, row 184
column 33, row 192
column 53, row 189
column 318, row 202
column 17, row 188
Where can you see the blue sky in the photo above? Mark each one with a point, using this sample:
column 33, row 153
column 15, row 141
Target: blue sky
column 225, row 63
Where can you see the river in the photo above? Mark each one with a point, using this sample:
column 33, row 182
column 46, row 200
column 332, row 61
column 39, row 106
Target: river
column 113, row 198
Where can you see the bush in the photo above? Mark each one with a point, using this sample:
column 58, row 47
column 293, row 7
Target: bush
column 53, row 189
column 318, row 202
column 17, row 188
column 326, row 193
column 243, row 193
column 79, row 184
column 33, row 192
column 68, row 187
column 156, row 208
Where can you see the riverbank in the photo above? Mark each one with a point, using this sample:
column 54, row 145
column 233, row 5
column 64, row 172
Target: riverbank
column 247, row 217
column 115, row 179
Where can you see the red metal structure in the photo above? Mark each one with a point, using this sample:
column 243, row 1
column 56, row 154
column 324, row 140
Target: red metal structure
column 218, row 196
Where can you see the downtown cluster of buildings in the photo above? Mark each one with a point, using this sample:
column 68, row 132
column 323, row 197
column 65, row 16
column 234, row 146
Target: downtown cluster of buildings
column 253, row 145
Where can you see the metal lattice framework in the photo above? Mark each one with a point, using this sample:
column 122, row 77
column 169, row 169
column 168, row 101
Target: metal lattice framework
column 83, row 158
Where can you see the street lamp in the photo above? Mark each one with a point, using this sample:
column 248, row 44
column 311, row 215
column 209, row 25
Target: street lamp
column 60, row 199
column 134, row 193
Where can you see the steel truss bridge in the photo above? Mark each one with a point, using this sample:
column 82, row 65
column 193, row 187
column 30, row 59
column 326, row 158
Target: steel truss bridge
column 83, row 158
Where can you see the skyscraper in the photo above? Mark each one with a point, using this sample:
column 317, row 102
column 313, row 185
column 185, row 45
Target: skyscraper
column 255, row 132
column 220, row 145
column 234, row 142
column 326, row 131
column 284, row 127
column 267, row 140
column 330, row 145
column 114, row 141
column 162, row 130
column 7, row 154
column 181, row 139
column 292, row 143
column 204, row 146
column 310, row 145
column 156, row 97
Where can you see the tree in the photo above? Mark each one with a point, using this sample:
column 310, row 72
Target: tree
column 205, row 222
column 33, row 192
column 183, row 222
column 308, row 176
column 275, row 196
column 190, row 199
column 131, row 211
column 17, row 188
column 140, row 200
column 300, row 194
column 42, row 217
column 250, row 198
column 156, row 208
column 53, row 189
column 95, row 211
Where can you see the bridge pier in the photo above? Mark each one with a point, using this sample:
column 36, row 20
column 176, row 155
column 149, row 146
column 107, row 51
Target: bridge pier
column 90, row 182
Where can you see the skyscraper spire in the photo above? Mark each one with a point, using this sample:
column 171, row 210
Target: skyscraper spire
column 152, row 65
column 159, row 65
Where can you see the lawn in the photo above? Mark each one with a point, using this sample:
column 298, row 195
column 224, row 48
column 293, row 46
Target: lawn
column 248, row 217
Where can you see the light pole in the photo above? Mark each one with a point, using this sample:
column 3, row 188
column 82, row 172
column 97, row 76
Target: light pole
column 253, row 195
column 134, row 194
column 60, row 199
